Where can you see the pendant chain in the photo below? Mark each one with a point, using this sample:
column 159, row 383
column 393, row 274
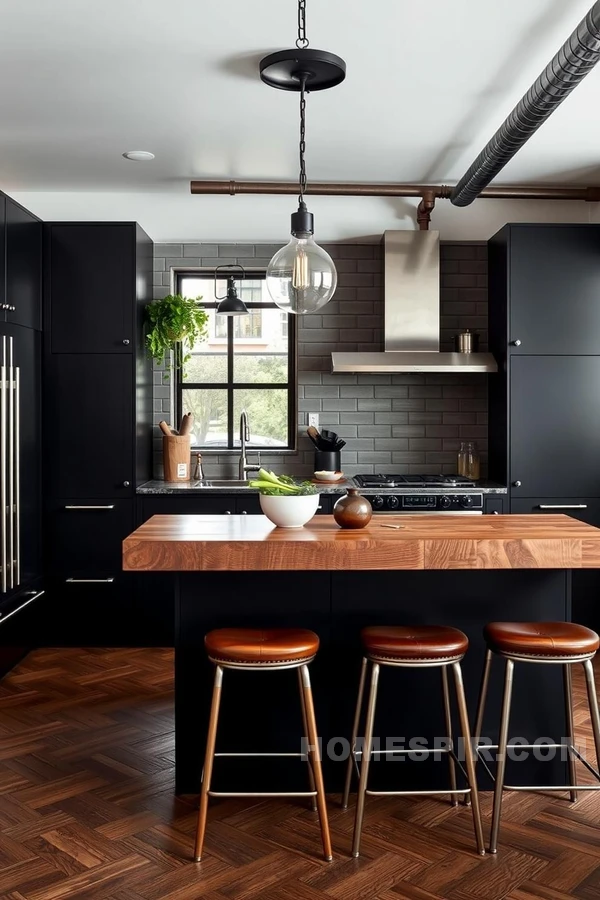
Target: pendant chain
column 302, row 141
column 302, row 40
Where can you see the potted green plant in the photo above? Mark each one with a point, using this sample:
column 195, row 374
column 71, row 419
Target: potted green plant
column 174, row 323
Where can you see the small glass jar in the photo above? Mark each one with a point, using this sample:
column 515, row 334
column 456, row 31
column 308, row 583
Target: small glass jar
column 468, row 460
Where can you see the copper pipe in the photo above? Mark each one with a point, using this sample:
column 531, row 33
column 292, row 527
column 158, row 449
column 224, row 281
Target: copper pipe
column 590, row 194
column 424, row 210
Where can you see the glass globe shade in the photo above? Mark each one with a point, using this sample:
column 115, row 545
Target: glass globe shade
column 301, row 277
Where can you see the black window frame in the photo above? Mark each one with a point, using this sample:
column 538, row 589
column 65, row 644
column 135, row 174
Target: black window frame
column 291, row 385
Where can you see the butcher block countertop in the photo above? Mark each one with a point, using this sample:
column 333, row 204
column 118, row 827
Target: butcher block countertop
column 182, row 543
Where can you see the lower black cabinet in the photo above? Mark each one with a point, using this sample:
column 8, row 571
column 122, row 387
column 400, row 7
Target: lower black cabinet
column 18, row 624
column 586, row 583
column 89, row 612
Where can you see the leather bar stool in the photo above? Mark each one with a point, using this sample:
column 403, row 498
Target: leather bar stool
column 414, row 647
column 264, row 650
column 550, row 643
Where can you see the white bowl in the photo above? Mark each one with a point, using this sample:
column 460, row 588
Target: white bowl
column 327, row 476
column 289, row 512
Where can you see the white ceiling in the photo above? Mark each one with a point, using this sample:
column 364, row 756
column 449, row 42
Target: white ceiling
column 427, row 85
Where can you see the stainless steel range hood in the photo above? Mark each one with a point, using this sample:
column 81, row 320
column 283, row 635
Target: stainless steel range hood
column 412, row 314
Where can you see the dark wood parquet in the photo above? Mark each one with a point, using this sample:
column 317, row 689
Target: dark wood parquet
column 87, row 811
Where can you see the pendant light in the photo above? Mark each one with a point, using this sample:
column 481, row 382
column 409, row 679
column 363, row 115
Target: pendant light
column 301, row 277
column 230, row 304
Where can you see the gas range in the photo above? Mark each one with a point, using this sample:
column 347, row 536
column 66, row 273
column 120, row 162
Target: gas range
column 433, row 494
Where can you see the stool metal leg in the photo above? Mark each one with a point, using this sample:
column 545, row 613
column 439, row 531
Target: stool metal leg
column 311, row 777
column 366, row 759
column 208, row 762
column 469, row 756
column 355, row 725
column 501, row 765
column 567, row 682
column 313, row 741
column 593, row 704
column 448, row 718
column 485, row 680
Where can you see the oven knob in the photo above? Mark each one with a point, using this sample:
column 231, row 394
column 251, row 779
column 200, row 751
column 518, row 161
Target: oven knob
column 393, row 502
column 445, row 502
column 466, row 501
column 377, row 502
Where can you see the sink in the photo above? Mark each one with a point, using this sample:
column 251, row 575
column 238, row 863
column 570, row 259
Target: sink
column 222, row 483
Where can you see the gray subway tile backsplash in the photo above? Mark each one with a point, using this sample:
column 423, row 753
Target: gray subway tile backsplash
column 410, row 423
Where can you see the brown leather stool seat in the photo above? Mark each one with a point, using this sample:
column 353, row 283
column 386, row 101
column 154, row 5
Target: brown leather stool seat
column 413, row 642
column 261, row 646
column 547, row 639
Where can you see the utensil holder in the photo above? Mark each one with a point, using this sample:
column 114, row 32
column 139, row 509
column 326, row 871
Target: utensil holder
column 177, row 457
column 328, row 461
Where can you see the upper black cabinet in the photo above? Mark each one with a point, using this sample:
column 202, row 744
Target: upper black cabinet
column 555, row 426
column 23, row 266
column 545, row 280
column 91, row 287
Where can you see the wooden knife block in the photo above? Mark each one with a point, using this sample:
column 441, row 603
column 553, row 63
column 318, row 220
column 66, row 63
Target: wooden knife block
column 177, row 457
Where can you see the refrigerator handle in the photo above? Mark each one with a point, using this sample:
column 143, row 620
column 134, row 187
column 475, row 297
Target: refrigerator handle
column 17, row 560
column 11, row 465
column 3, row 517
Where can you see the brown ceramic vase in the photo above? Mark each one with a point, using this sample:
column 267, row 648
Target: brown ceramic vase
column 353, row 510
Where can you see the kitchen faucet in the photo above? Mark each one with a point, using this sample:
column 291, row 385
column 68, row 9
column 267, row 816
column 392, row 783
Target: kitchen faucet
column 244, row 467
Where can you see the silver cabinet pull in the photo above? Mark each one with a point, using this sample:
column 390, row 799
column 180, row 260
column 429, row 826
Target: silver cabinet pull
column 563, row 506
column 89, row 580
column 3, row 436
column 103, row 506
column 31, row 596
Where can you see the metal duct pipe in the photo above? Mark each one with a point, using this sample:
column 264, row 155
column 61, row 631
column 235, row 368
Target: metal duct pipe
column 577, row 56
column 356, row 189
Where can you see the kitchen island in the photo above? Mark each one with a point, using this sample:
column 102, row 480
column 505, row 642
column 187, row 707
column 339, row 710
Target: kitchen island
column 455, row 570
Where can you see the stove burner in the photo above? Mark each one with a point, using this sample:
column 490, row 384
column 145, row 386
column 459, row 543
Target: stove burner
column 391, row 481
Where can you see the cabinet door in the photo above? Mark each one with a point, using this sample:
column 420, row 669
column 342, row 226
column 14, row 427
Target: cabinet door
column 78, row 613
column 554, row 289
column 555, row 426
column 84, row 537
column 585, row 582
column 23, row 266
column 89, row 426
column 92, row 288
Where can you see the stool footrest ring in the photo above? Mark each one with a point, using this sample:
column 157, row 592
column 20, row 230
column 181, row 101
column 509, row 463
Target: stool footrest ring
column 532, row 788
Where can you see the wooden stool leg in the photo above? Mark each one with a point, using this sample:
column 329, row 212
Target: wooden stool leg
column 366, row 759
column 485, row 679
column 570, row 731
column 501, row 765
column 448, row 719
column 208, row 762
column 311, row 777
column 313, row 741
column 593, row 704
column 469, row 756
column 355, row 724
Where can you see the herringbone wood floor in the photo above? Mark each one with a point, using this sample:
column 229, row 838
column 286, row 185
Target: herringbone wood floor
column 87, row 810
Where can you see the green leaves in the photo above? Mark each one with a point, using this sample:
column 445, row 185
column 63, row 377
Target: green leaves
column 281, row 485
column 173, row 322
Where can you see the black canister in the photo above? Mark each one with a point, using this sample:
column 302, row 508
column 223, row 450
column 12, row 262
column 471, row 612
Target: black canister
column 328, row 461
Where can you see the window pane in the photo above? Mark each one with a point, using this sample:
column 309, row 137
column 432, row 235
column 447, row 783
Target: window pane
column 209, row 357
column 267, row 414
column 263, row 357
column 209, row 408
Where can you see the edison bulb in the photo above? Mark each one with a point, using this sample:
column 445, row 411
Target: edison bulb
column 301, row 277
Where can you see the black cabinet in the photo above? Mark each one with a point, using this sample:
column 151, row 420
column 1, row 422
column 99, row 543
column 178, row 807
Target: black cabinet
column 89, row 425
column 19, row 616
column 85, row 540
column 555, row 426
column 90, row 276
column 585, row 582
column 23, row 266
column 548, row 279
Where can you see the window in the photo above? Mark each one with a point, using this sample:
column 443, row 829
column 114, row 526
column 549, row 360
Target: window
column 246, row 362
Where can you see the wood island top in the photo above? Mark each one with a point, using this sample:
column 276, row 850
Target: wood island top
column 184, row 543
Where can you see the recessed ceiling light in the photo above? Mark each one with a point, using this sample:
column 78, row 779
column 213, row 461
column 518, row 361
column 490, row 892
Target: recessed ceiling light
column 139, row 155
